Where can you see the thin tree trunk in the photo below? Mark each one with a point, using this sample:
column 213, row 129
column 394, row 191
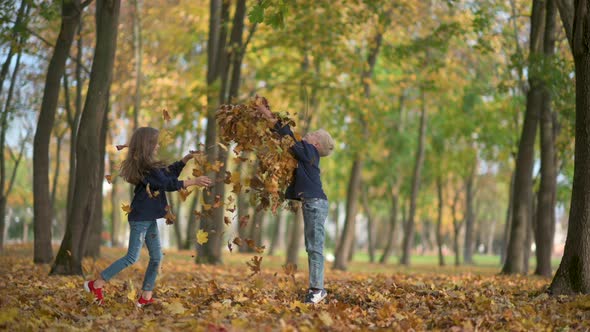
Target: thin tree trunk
column 14, row 47
column 457, row 224
column 192, row 225
column 408, row 240
column 469, row 245
column 59, row 139
column 296, row 232
column 347, row 237
column 526, row 152
column 3, row 127
column 69, row 258
column 345, row 245
column 137, row 52
column 508, row 222
column 275, row 243
column 545, row 226
column 439, row 237
column 115, row 212
column 528, row 241
column 43, row 214
column 391, row 235
column 491, row 235
column 370, row 226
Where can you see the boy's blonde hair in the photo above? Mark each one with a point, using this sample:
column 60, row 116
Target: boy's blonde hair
column 325, row 141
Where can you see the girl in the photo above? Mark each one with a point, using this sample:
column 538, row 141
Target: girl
column 151, row 179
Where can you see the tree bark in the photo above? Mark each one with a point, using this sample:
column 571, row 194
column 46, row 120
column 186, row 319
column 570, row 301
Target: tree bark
column 439, row 237
column 138, row 55
column 69, row 257
column 469, row 245
column 43, row 214
column 526, row 151
column 192, row 225
column 74, row 121
column 545, row 226
column 457, row 224
column 347, row 237
column 276, row 241
column 370, row 226
column 391, row 234
column 573, row 274
column 296, row 233
column 508, row 221
column 3, row 127
column 95, row 236
column 408, row 240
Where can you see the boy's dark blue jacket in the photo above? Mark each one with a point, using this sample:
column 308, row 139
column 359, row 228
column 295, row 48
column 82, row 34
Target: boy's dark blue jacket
column 307, row 182
column 144, row 208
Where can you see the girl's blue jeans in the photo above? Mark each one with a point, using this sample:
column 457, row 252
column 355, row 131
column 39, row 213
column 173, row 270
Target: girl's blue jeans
column 140, row 231
column 315, row 212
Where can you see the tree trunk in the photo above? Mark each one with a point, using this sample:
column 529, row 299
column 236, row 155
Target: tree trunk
column 370, row 226
column 490, row 244
column 137, row 52
column 545, row 226
column 528, row 241
column 22, row 14
column 391, row 234
column 347, row 237
column 573, row 274
column 95, row 236
column 508, row 221
column 408, row 240
column 74, row 121
column 296, row 233
column 469, row 245
column 115, row 212
column 192, row 225
column 526, row 152
column 457, row 224
column 69, row 257
column 3, row 127
column 55, row 184
column 276, row 242
column 439, row 237
column 43, row 214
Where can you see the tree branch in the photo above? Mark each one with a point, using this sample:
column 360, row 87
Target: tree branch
column 50, row 44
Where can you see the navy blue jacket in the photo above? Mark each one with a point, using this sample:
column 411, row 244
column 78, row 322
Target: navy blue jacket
column 307, row 182
column 144, row 208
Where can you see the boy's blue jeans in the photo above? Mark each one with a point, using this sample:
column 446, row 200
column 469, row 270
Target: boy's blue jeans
column 315, row 212
column 140, row 231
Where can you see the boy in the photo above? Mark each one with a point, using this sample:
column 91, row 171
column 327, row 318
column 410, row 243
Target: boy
column 307, row 188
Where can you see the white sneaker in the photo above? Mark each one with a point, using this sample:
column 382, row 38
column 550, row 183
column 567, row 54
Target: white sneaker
column 315, row 296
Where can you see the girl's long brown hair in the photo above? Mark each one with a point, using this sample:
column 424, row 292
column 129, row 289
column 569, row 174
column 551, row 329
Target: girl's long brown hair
column 140, row 155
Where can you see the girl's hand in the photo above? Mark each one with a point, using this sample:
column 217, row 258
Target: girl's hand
column 202, row 181
column 188, row 157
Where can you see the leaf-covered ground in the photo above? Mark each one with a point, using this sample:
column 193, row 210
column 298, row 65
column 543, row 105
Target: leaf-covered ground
column 206, row 298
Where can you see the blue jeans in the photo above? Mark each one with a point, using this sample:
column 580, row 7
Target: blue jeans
column 140, row 230
column 315, row 212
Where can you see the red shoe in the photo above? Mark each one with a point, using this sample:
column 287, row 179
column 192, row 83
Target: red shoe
column 143, row 302
column 89, row 287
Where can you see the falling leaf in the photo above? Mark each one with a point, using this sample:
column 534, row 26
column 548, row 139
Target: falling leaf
column 69, row 253
column 202, row 237
column 226, row 220
column 184, row 193
column 254, row 265
column 237, row 241
column 121, row 147
column 166, row 115
column 109, row 178
column 206, row 206
column 126, row 208
column 170, row 217
column 229, row 246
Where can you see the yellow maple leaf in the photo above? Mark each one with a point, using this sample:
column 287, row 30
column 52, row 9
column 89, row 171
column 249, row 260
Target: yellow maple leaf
column 202, row 237
column 126, row 208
